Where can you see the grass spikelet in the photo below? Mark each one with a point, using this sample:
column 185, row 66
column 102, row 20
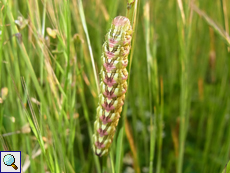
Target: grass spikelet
column 113, row 83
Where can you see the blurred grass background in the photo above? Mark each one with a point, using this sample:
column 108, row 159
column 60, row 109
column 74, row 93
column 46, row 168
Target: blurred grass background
column 177, row 110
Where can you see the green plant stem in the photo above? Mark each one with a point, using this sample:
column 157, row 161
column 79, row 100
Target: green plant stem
column 121, row 131
column 81, row 11
column 183, row 30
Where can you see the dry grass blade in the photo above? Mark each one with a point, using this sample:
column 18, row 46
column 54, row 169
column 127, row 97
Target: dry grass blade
column 132, row 146
column 180, row 4
column 226, row 21
column 217, row 28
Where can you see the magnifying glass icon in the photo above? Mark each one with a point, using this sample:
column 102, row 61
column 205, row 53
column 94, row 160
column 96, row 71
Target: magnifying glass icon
column 9, row 160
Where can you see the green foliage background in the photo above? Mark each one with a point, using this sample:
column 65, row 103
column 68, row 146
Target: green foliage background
column 177, row 112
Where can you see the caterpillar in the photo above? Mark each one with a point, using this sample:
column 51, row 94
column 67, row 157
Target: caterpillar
column 113, row 83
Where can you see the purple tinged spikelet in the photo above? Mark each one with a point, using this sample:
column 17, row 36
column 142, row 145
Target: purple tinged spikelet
column 113, row 83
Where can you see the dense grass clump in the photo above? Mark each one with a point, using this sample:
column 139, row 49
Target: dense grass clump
column 177, row 110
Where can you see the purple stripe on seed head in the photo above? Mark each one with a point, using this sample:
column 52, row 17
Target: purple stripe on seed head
column 102, row 132
column 112, row 43
column 108, row 95
column 109, row 54
column 99, row 145
column 109, row 67
column 104, row 119
column 110, row 81
column 107, row 107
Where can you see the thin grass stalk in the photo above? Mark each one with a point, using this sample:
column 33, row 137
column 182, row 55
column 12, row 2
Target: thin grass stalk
column 31, row 168
column 3, row 17
column 112, row 162
column 25, row 55
column 41, row 122
column 112, row 11
column 72, row 128
column 161, row 117
column 39, row 32
column 227, row 148
column 67, row 86
column 37, row 16
column 221, row 132
column 79, row 142
column 224, row 148
column 224, row 10
column 208, row 139
column 33, row 76
column 43, row 33
column 156, row 95
column 149, row 65
column 33, row 124
column 4, row 144
column 214, row 25
column 184, row 98
column 159, row 110
column 82, row 15
column 152, row 142
column 53, row 80
column 16, row 56
column 68, row 35
column 78, row 133
column 119, row 152
column 104, row 164
column 86, row 61
column 153, row 86
column 83, row 52
column 86, row 114
column 132, row 146
column 3, row 41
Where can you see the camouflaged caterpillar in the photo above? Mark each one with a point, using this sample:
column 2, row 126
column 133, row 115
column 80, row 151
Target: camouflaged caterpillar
column 113, row 83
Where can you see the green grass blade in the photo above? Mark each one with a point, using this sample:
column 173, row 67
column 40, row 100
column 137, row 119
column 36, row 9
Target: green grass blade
column 119, row 150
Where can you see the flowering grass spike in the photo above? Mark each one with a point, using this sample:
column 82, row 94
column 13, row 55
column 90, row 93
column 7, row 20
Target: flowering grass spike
column 113, row 83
